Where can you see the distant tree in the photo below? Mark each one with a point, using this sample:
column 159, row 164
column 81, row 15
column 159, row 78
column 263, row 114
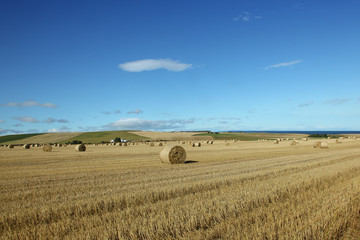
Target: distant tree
column 76, row 142
column 117, row 139
column 325, row 135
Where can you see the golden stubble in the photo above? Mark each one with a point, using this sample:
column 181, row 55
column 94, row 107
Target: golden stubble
column 240, row 190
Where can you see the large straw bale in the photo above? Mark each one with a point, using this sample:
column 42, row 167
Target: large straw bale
column 173, row 154
column 47, row 148
column 11, row 146
column 80, row 148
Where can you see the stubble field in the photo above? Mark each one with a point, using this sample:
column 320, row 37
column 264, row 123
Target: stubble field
column 239, row 190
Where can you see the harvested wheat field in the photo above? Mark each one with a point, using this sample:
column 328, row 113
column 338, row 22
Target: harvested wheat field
column 242, row 190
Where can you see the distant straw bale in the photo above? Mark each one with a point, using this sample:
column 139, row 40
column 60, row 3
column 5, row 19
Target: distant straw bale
column 276, row 141
column 173, row 154
column 47, row 148
column 160, row 144
column 27, row 146
column 11, row 146
column 321, row 145
column 294, row 142
column 80, row 148
column 152, row 144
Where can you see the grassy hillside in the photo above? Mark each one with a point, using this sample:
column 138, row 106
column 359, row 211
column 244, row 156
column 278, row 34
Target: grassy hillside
column 97, row 137
column 17, row 137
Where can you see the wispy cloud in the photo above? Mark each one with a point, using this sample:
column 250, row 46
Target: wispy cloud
column 137, row 111
column 143, row 124
column 337, row 101
column 299, row 6
column 29, row 104
column 307, row 104
column 246, row 17
column 112, row 112
column 283, row 64
column 26, row 119
column 2, row 121
column 7, row 131
column 52, row 120
column 153, row 64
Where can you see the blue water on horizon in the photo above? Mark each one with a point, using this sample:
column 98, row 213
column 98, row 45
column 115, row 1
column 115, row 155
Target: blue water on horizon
column 302, row 132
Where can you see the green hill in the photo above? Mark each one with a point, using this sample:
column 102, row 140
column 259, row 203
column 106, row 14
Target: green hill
column 17, row 137
column 98, row 137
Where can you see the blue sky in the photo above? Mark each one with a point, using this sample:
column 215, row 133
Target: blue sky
column 179, row 65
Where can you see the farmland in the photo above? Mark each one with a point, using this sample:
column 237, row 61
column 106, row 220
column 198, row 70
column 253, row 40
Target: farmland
column 226, row 190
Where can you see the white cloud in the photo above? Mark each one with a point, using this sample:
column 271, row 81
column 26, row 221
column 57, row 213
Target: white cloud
column 153, row 64
column 26, row 119
column 143, row 124
column 284, row 64
column 246, row 17
column 29, row 104
column 137, row 111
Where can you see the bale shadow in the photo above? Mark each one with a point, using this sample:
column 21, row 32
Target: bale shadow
column 190, row 161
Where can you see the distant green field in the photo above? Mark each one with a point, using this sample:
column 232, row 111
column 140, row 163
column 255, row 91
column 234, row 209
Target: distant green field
column 97, row 137
column 9, row 138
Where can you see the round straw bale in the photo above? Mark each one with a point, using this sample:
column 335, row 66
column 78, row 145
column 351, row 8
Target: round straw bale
column 11, row 146
column 80, row 148
column 125, row 144
column 160, row 144
column 276, row 141
column 317, row 144
column 27, row 146
column 173, row 154
column 294, row 142
column 47, row 148
column 152, row 144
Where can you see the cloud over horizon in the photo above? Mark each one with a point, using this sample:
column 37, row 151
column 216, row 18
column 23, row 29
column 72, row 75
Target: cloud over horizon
column 283, row 64
column 154, row 64
column 29, row 104
column 26, row 119
column 143, row 124
column 137, row 111
column 52, row 120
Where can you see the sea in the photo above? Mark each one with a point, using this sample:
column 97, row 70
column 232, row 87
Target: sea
column 303, row 132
